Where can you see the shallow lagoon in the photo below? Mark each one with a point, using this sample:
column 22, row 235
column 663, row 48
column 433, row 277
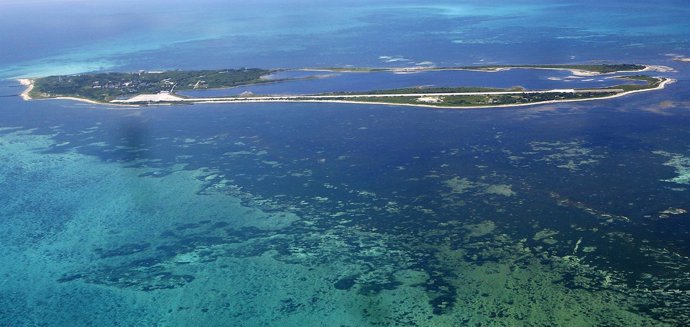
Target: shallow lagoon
column 325, row 82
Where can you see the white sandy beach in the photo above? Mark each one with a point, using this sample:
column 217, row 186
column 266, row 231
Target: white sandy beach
column 75, row 99
column 29, row 83
column 30, row 86
column 335, row 99
column 425, row 99
column 158, row 97
column 657, row 68
column 429, row 100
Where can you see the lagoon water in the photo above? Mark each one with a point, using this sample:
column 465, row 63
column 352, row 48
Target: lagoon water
column 325, row 82
column 340, row 214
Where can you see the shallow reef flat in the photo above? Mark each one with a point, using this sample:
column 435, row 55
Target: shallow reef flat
column 340, row 217
column 680, row 163
column 69, row 213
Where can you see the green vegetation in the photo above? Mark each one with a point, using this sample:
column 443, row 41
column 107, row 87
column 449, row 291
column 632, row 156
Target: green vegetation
column 496, row 99
column 481, row 100
column 491, row 99
column 652, row 82
column 506, row 99
column 106, row 87
column 608, row 68
column 109, row 86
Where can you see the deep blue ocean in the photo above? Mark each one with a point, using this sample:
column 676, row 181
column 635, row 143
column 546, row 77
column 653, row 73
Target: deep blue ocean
column 572, row 214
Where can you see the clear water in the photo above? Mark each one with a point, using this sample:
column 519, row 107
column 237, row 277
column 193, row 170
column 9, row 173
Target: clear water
column 344, row 215
column 50, row 37
column 323, row 82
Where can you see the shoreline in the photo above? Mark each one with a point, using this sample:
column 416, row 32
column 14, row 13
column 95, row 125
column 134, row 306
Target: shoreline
column 89, row 101
column 77, row 99
column 574, row 71
column 171, row 99
column 29, row 83
column 661, row 85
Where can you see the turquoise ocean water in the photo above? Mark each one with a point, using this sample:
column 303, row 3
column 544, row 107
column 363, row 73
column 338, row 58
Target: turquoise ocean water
column 338, row 214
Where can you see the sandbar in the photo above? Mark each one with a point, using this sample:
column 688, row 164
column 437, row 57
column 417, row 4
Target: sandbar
column 29, row 83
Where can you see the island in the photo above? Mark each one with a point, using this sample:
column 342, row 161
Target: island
column 147, row 87
column 105, row 87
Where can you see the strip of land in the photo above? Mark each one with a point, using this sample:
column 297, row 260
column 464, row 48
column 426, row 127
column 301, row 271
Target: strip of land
column 104, row 87
column 578, row 70
column 465, row 100
column 146, row 88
